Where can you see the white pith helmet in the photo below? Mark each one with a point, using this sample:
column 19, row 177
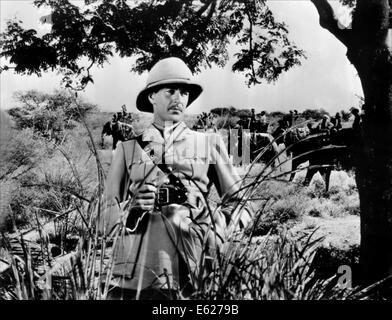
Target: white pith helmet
column 168, row 71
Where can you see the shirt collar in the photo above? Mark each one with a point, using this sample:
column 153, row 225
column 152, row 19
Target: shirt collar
column 177, row 132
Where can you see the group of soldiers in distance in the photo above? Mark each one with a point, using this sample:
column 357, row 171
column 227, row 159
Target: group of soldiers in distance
column 258, row 123
column 255, row 123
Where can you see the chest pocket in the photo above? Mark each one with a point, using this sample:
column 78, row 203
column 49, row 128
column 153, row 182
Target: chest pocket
column 194, row 159
column 137, row 162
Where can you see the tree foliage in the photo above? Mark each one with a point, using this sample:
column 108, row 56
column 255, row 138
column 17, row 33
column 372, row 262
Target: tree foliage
column 224, row 111
column 45, row 113
column 345, row 115
column 199, row 32
column 315, row 114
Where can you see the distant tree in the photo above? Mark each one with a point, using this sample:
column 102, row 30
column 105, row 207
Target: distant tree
column 345, row 115
column 276, row 114
column 233, row 111
column 48, row 113
column 220, row 111
column 244, row 113
column 225, row 122
column 315, row 114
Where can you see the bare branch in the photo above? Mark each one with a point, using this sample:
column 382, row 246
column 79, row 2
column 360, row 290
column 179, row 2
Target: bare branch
column 330, row 23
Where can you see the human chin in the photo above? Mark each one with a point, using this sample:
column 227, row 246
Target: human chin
column 174, row 116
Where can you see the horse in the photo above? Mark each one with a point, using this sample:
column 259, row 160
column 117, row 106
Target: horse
column 119, row 131
column 264, row 148
column 261, row 147
column 324, row 150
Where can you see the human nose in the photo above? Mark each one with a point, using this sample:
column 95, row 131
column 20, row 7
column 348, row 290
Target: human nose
column 179, row 97
column 177, row 94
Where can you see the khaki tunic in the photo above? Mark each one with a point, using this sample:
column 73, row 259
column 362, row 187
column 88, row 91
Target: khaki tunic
column 150, row 255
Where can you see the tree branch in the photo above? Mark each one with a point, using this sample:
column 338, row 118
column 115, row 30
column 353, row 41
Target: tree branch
column 330, row 23
column 205, row 7
column 251, row 43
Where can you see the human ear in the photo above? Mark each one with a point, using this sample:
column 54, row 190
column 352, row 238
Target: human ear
column 151, row 97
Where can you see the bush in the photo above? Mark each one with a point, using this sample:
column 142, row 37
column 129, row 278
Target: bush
column 22, row 152
column 6, row 191
column 329, row 259
column 49, row 114
column 276, row 114
column 225, row 122
column 316, row 114
column 314, row 213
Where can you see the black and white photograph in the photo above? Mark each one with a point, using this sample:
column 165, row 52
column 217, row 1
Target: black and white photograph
column 196, row 150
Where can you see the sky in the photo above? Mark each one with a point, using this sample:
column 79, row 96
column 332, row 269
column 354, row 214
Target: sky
column 325, row 79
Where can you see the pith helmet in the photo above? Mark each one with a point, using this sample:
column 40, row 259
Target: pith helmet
column 167, row 71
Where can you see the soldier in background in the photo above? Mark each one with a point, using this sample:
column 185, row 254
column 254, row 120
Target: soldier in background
column 290, row 118
column 280, row 131
column 357, row 120
column 337, row 121
column 325, row 124
column 263, row 124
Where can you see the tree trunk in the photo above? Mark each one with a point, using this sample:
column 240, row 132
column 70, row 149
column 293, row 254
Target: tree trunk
column 374, row 166
column 369, row 50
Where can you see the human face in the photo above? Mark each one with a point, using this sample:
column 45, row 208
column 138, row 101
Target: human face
column 169, row 104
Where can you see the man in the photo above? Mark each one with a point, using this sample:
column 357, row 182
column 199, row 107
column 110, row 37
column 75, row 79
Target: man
column 124, row 110
column 252, row 121
column 280, row 131
column 161, row 179
column 263, row 124
column 325, row 124
column 357, row 120
column 290, row 118
column 337, row 121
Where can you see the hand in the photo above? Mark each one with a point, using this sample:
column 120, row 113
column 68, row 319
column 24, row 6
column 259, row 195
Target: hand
column 144, row 199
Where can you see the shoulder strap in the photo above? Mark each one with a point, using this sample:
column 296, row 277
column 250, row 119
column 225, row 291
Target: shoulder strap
column 162, row 166
column 139, row 140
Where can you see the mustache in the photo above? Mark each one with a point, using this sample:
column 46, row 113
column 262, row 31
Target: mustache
column 178, row 106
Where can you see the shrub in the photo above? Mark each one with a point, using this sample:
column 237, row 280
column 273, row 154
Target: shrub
column 6, row 191
column 49, row 114
column 22, row 152
column 314, row 213
column 225, row 122
column 329, row 259
column 353, row 209
column 316, row 114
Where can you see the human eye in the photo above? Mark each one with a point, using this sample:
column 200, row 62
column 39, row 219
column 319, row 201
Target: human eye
column 184, row 92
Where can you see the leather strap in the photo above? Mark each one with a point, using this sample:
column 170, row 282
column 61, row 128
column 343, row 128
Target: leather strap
column 162, row 166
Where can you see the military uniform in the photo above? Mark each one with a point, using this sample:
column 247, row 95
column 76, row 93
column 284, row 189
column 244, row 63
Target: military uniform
column 151, row 256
